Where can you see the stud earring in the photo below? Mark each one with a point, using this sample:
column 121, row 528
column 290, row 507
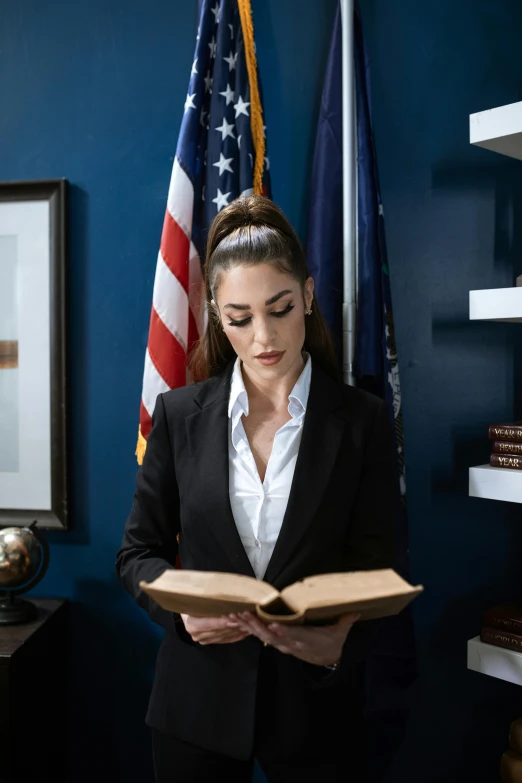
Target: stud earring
column 309, row 311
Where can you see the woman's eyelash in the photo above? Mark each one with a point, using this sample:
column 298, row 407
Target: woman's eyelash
column 281, row 313
column 276, row 314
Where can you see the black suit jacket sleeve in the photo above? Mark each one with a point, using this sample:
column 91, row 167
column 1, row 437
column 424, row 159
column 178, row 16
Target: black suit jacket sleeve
column 149, row 543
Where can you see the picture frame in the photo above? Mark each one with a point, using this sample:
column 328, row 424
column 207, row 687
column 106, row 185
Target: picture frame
column 33, row 356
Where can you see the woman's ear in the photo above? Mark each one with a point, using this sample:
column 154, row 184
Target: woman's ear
column 217, row 315
column 309, row 292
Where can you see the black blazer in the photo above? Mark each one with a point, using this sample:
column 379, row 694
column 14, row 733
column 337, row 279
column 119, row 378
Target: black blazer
column 340, row 517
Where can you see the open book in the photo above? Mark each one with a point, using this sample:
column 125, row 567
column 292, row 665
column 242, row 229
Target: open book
column 314, row 600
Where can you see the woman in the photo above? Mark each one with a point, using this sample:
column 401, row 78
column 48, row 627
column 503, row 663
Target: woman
column 270, row 468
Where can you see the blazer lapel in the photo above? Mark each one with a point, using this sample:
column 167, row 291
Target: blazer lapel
column 207, row 433
column 323, row 430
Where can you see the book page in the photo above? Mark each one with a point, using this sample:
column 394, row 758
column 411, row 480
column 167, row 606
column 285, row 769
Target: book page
column 372, row 593
column 207, row 593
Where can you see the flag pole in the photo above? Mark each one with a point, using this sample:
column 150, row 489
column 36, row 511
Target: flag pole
column 349, row 191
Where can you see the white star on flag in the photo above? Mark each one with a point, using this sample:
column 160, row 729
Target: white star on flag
column 231, row 60
column 229, row 94
column 241, row 107
column 227, row 129
column 194, row 69
column 231, row 30
column 215, row 11
column 189, row 103
column 221, row 200
column 208, row 82
column 213, row 47
column 224, row 164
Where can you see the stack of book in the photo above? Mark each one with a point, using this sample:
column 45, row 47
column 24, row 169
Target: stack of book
column 502, row 626
column 507, row 445
column 511, row 761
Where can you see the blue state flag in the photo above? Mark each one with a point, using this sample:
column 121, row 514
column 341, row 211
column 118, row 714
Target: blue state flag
column 390, row 670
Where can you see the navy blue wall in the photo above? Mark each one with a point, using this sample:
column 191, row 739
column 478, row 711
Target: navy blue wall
column 94, row 92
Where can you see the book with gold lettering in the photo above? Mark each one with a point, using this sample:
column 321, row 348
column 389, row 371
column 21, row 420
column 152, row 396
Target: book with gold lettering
column 314, row 600
column 505, row 431
column 512, row 461
column 507, row 447
column 501, row 638
column 506, row 617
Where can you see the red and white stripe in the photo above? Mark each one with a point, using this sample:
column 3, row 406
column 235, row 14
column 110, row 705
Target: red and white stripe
column 178, row 316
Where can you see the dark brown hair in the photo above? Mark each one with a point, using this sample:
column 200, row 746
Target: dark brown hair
column 253, row 230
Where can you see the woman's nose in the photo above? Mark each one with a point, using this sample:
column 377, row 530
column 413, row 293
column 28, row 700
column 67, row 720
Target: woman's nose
column 264, row 332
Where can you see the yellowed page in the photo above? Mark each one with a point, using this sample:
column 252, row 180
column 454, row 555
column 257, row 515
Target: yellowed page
column 207, row 593
column 371, row 593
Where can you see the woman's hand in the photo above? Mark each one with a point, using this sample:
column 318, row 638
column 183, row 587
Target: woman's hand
column 213, row 630
column 321, row 646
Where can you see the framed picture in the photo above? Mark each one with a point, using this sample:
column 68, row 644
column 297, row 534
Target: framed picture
column 33, row 458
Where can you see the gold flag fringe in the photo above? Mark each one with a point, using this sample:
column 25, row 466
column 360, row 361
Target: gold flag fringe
column 256, row 111
column 141, row 445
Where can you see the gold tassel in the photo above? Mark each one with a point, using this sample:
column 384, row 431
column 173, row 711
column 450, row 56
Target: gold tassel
column 256, row 111
column 141, row 446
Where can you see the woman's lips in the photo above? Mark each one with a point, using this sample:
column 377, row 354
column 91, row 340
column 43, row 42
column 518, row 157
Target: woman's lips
column 268, row 359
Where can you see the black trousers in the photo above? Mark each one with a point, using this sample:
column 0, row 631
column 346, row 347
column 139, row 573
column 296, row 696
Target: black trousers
column 323, row 759
column 176, row 761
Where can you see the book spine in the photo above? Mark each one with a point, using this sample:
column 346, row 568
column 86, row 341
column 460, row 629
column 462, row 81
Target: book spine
column 515, row 736
column 506, row 461
column 493, row 620
column 499, row 432
column 510, row 767
column 507, row 447
column 499, row 638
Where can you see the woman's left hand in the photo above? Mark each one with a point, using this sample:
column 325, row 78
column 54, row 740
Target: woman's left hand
column 321, row 646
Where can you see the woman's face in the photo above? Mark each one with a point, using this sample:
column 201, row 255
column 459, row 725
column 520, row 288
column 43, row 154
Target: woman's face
column 263, row 314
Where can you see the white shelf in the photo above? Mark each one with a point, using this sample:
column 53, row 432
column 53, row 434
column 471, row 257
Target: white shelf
column 486, row 481
column 496, row 304
column 498, row 129
column 495, row 661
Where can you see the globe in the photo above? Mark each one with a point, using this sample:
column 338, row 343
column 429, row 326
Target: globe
column 24, row 557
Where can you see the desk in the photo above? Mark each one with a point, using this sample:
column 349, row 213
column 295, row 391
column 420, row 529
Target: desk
column 33, row 697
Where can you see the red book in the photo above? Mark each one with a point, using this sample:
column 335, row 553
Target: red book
column 507, row 447
column 505, row 432
column 512, row 461
column 507, row 617
column 511, row 767
column 498, row 638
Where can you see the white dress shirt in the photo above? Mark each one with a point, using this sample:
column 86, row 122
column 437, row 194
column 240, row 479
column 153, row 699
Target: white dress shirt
column 259, row 507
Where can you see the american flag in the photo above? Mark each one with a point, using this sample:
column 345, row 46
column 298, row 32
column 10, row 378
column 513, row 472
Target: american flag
column 214, row 164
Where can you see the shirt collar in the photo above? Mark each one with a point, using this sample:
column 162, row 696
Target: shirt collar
column 297, row 399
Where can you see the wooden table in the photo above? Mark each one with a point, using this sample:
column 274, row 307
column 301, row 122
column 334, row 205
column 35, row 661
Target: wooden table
column 33, row 697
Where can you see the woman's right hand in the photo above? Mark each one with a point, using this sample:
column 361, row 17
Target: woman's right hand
column 213, row 630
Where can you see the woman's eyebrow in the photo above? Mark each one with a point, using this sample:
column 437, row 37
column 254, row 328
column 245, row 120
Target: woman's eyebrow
column 271, row 301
